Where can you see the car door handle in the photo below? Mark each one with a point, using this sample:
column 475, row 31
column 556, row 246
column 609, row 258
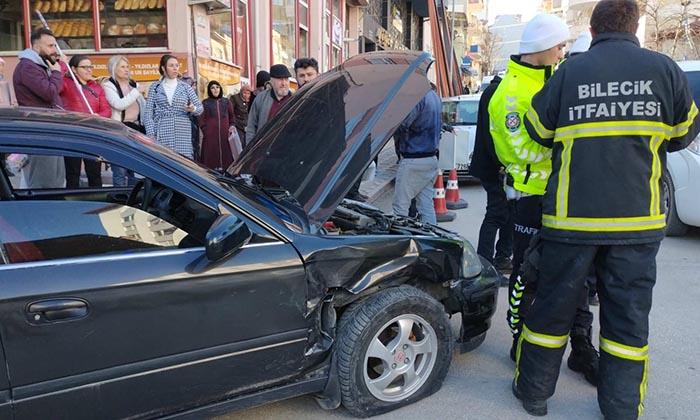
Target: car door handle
column 57, row 310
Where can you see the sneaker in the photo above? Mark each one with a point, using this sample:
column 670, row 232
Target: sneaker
column 503, row 264
column 584, row 358
column 533, row 407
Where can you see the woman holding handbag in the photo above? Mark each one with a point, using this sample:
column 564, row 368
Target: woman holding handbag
column 74, row 100
column 217, row 124
column 127, row 102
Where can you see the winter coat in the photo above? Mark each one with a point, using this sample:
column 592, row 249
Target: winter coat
column 215, row 123
column 169, row 124
column 240, row 111
column 36, row 85
column 118, row 103
column 95, row 95
column 259, row 113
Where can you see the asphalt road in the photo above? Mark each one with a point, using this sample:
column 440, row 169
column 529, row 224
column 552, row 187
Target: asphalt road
column 478, row 383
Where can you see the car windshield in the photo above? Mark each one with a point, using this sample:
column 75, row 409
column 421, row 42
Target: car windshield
column 460, row 112
column 694, row 83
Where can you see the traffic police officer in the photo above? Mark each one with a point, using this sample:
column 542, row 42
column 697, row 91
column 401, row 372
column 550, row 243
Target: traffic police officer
column 528, row 165
column 609, row 116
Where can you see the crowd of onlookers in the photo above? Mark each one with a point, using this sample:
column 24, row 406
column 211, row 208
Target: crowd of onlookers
column 212, row 132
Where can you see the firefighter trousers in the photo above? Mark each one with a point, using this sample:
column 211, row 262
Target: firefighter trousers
column 626, row 275
column 521, row 291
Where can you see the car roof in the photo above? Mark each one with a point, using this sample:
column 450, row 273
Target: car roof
column 472, row 97
column 66, row 118
column 690, row 65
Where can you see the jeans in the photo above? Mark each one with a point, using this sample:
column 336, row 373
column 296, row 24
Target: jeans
column 122, row 177
column 414, row 179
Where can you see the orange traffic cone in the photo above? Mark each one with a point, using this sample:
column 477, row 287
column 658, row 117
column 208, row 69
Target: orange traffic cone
column 441, row 213
column 452, row 193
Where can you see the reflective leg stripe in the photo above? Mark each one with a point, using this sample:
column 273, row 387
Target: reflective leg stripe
column 614, row 224
column 563, row 182
column 637, row 354
column 544, row 340
column 655, row 202
column 514, row 305
column 517, row 357
column 623, row 128
column 622, row 351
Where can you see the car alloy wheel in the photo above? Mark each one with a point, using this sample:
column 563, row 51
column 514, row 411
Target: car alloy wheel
column 400, row 357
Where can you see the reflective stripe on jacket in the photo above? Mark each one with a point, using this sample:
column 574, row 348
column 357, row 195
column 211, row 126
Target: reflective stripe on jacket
column 526, row 161
column 610, row 115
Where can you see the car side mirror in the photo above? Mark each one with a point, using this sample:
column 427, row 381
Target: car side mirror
column 225, row 236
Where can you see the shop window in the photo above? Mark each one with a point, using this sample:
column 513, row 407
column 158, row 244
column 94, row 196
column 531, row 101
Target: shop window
column 131, row 23
column 303, row 29
column 242, row 57
column 11, row 26
column 284, row 32
column 73, row 26
column 221, row 36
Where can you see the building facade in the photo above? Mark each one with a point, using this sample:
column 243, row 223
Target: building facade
column 507, row 31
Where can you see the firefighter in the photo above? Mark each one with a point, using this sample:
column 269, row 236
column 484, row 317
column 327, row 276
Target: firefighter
column 609, row 116
column 528, row 165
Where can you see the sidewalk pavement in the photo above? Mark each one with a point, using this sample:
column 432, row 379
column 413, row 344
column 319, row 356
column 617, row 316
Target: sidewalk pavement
column 386, row 172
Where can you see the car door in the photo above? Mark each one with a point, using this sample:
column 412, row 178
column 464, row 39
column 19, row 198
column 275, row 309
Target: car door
column 106, row 311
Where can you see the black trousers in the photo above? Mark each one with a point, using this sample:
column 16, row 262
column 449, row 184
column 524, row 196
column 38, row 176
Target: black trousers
column 527, row 221
column 497, row 220
column 93, row 169
column 625, row 277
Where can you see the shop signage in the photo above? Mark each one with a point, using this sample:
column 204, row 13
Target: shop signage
column 208, row 70
column 142, row 67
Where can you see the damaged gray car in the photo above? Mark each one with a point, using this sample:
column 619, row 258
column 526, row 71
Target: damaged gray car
column 193, row 293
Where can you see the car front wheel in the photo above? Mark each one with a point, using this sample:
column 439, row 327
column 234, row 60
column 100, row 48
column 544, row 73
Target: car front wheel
column 674, row 226
column 394, row 348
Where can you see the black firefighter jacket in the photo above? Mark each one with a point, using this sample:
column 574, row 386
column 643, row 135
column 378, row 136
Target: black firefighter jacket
column 610, row 115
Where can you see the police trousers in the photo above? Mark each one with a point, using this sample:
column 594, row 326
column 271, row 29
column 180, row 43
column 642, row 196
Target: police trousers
column 521, row 291
column 626, row 275
column 498, row 220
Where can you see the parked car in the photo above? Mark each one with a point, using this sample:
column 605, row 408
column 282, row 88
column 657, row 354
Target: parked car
column 196, row 292
column 456, row 148
column 681, row 183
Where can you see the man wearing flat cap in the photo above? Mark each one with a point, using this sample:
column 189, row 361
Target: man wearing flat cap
column 267, row 103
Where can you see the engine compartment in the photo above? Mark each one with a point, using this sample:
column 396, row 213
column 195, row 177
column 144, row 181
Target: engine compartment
column 357, row 218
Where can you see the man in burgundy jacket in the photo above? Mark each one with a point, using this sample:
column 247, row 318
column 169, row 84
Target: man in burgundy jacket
column 37, row 81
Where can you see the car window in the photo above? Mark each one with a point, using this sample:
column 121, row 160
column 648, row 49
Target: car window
column 42, row 218
column 40, row 230
column 694, row 83
column 460, row 112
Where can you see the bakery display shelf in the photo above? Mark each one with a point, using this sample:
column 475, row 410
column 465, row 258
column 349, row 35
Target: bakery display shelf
column 76, row 37
column 66, row 15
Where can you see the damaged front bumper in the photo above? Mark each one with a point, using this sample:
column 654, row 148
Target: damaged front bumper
column 477, row 299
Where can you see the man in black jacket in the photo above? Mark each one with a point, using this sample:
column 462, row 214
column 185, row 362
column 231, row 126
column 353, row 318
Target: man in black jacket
column 499, row 211
column 609, row 115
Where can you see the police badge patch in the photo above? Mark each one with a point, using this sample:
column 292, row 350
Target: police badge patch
column 513, row 121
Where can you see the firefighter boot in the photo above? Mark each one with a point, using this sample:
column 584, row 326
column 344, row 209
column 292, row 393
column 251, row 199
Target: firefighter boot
column 584, row 357
column 533, row 407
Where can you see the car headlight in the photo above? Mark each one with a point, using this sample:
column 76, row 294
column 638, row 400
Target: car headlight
column 471, row 264
column 694, row 146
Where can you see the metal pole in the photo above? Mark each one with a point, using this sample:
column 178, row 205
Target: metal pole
column 75, row 80
column 451, row 28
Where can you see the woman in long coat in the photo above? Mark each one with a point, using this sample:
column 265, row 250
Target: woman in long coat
column 170, row 102
column 216, row 122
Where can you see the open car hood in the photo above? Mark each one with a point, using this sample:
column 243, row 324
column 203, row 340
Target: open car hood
column 317, row 146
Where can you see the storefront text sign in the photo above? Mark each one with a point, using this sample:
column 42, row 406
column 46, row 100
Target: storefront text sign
column 142, row 67
column 208, row 70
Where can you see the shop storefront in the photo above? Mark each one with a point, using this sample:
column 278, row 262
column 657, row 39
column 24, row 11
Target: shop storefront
column 392, row 25
column 142, row 30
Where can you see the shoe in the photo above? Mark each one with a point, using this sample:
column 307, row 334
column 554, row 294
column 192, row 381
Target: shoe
column 503, row 264
column 593, row 300
column 533, row 407
column 357, row 197
column 584, row 358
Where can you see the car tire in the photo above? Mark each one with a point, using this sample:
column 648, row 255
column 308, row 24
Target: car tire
column 674, row 226
column 411, row 350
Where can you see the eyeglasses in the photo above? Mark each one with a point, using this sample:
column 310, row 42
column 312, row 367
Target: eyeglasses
column 87, row 67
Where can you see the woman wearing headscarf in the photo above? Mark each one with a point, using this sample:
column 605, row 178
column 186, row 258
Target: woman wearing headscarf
column 216, row 122
column 127, row 103
column 168, row 107
column 73, row 100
